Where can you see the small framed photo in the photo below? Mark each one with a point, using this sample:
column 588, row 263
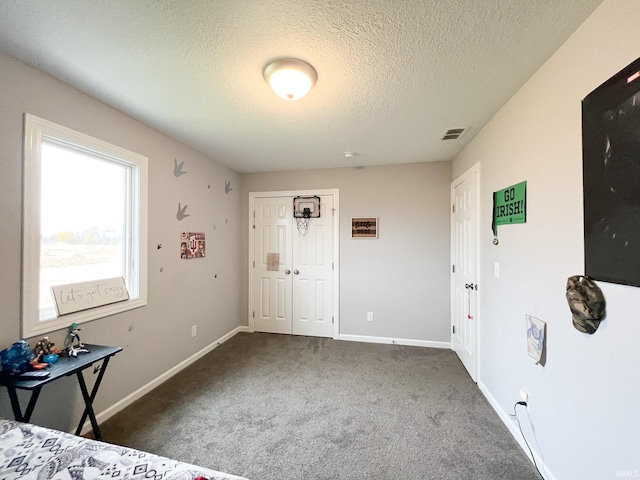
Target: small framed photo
column 192, row 245
column 364, row 227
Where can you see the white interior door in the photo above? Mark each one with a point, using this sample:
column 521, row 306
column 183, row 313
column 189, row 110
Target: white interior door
column 464, row 287
column 296, row 295
column 313, row 274
column 272, row 288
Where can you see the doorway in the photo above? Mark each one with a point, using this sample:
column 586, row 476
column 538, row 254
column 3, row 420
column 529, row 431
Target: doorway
column 465, row 256
column 293, row 270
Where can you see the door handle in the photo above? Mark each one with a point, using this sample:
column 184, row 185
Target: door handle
column 470, row 286
column 296, row 272
column 287, row 271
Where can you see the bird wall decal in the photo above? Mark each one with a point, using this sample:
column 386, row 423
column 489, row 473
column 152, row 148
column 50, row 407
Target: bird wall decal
column 181, row 212
column 177, row 169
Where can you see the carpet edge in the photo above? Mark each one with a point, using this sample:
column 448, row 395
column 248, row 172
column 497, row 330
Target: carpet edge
column 140, row 392
column 393, row 341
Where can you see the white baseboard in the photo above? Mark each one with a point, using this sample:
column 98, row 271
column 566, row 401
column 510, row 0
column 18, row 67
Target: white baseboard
column 395, row 341
column 132, row 397
column 510, row 422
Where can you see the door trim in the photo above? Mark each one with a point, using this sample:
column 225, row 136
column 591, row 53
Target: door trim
column 335, row 193
column 475, row 169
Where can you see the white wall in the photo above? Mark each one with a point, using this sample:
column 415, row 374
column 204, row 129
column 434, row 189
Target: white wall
column 584, row 402
column 403, row 276
column 184, row 294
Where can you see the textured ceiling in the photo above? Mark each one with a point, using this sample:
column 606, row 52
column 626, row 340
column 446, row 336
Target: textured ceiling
column 392, row 75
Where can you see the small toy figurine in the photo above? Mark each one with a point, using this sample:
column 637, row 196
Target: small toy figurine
column 16, row 359
column 74, row 350
column 46, row 351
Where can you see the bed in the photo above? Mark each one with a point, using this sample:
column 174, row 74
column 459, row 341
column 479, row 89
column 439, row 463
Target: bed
column 32, row 452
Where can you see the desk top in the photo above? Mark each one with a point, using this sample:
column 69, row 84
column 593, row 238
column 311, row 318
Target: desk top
column 65, row 366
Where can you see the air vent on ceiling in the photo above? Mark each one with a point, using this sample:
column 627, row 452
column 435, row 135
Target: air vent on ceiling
column 453, row 133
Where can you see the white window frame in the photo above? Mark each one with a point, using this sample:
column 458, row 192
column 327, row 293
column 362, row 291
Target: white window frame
column 35, row 131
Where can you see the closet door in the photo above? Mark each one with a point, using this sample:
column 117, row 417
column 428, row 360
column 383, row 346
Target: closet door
column 293, row 270
column 272, row 275
column 313, row 274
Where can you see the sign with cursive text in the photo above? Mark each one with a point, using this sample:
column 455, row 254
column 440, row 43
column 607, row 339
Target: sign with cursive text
column 74, row 297
column 364, row 227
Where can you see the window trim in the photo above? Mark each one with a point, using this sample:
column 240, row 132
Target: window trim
column 35, row 130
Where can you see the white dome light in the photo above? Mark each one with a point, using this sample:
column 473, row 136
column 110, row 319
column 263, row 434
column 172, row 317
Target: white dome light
column 291, row 79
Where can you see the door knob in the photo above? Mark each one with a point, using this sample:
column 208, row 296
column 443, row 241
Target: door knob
column 296, row 272
column 287, row 271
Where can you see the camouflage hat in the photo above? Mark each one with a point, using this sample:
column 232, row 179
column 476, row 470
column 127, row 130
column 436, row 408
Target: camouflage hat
column 586, row 302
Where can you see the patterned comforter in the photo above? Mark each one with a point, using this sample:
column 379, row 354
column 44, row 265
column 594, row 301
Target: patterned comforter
column 31, row 452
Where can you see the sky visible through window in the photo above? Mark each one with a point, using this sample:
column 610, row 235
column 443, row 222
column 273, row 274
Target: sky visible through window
column 82, row 222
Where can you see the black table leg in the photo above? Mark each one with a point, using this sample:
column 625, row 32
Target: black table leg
column 35, row 393
column 15, row 404
column 88, row 401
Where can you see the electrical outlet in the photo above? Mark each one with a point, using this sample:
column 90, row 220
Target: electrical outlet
column 194, row 331
column 525, row 397
column 369, row 316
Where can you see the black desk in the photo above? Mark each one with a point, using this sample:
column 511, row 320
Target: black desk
column 64, row 367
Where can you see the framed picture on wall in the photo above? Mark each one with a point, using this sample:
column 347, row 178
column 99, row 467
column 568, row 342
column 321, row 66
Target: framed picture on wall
column 611, row 178
column 364, row 227
column 192, row 245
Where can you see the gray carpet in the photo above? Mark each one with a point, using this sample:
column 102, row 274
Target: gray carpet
column 270, row 407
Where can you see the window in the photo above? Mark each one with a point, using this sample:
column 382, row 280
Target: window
column 85, row 219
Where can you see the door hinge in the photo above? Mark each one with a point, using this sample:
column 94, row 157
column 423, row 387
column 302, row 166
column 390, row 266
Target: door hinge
column 253, row 315
column 332, row 267
column 453, row 329
column 254, row 264
column 453, row 208
column 254, row 227
column 254, row 214
column 453, row 268
column 333, row 320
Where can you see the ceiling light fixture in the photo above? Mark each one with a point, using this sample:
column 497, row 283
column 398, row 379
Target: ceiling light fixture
column 291, row 79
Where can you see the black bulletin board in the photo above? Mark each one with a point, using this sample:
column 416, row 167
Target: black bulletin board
column 611, row 178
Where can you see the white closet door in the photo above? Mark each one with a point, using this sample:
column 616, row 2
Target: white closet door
column 272, row 288
column 313, row 274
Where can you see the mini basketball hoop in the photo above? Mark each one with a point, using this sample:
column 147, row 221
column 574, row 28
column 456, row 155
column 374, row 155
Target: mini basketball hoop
column 304, row 209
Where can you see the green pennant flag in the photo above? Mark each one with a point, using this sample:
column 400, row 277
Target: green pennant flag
column 509, row 206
